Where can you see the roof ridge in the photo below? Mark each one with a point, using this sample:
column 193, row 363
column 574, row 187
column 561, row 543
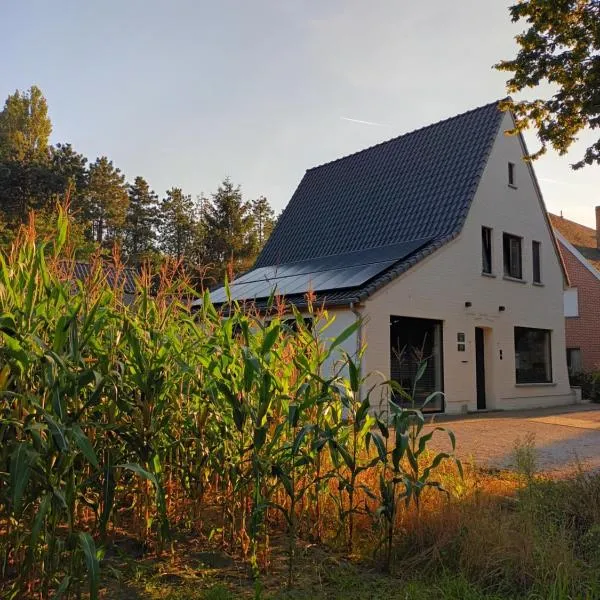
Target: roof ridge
column 571, row 221
column 412, row 132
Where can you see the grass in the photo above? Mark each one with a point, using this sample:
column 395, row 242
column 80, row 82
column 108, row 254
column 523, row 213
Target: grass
column 499, row 536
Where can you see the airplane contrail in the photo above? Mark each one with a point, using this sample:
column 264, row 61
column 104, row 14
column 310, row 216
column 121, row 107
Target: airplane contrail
column 362, row 122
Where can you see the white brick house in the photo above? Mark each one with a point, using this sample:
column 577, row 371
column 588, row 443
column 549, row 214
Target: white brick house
column 438, row 240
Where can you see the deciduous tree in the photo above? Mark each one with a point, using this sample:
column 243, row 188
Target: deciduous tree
column 25, row 126
column 560, row 46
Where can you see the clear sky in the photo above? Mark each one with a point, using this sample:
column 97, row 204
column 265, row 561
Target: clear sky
column 186, row 92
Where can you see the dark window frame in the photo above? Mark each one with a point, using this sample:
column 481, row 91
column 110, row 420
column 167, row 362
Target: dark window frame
column 512, row 254
column 529, row 369
column 536, row 261
column 486, row 250
column 511, row 174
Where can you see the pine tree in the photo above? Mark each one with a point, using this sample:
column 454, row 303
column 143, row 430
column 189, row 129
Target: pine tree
column 180, row 228
column 141, row 221
column 230, row 240
column 106, row 201
column 69, row 174
column 264, row 220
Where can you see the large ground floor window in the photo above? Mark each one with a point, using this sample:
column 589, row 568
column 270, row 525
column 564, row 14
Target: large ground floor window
column 533, row 357
column 411, row 342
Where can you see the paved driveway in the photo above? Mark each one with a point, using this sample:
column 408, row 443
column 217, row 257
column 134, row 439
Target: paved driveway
column 564, row 437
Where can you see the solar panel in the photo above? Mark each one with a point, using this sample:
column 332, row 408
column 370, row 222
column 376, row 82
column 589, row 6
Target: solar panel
column 319, row 275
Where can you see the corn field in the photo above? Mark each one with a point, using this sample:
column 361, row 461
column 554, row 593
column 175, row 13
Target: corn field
column 149, row 418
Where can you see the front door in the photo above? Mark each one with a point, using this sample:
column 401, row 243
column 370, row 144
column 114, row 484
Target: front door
column 480, row 367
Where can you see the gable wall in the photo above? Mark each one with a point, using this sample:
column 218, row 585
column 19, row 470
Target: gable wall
column 584, row 331
column 439, row 286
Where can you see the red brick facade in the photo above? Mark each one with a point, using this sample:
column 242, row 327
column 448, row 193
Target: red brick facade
column 584, row 331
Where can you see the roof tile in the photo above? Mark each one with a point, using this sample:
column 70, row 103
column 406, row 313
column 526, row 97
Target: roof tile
column 416, row 186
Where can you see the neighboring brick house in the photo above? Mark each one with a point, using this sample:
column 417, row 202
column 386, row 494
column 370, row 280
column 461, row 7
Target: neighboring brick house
column 580, row 248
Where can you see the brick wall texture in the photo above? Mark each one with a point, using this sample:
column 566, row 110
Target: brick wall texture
column 584, row 331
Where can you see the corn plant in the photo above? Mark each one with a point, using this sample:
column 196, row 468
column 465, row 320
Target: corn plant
column 408, row 464
column 146, row 416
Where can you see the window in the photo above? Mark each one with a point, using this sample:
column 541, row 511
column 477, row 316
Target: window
column 486, row 250
column 574, row 362
column 533, row 362
column 535, row 256
column 511, row 174
column 411, row 340
column 571, row 302
column 513, row 266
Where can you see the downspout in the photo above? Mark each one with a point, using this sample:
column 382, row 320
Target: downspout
column 359, row 337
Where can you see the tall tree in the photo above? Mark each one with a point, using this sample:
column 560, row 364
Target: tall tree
column 69, row 173
column 264, row 220
column 106, row 201
column 561, row 46
column 25, row 186
column 25, row 126
column 141, row 221
column 230, row 240
column 25, row 179
column 180, row 229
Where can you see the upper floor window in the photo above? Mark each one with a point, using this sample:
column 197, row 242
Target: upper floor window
column 513, row 261
column 535, row 257
column 511, row 174
column 486, row 250
column 571, row 302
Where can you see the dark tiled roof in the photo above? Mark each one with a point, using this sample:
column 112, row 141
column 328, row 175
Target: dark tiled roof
column 418, row 186
column 122, row 277
column 582, row 237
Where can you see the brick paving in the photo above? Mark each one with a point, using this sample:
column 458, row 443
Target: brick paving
column 565, row 437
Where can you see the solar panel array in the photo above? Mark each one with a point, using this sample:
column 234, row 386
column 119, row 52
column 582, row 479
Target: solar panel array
column 320, row 275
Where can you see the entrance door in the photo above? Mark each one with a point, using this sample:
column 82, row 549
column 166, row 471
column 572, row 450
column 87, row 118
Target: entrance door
column 480, row 367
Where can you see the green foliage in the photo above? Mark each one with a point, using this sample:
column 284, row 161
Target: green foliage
column 105, row 404
column 264, row 220
column 560, row 46
column 180, row 227
column 589, row 381
column 106, row 201
column 230, row 236
column 141, row 221
column 25, row 127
